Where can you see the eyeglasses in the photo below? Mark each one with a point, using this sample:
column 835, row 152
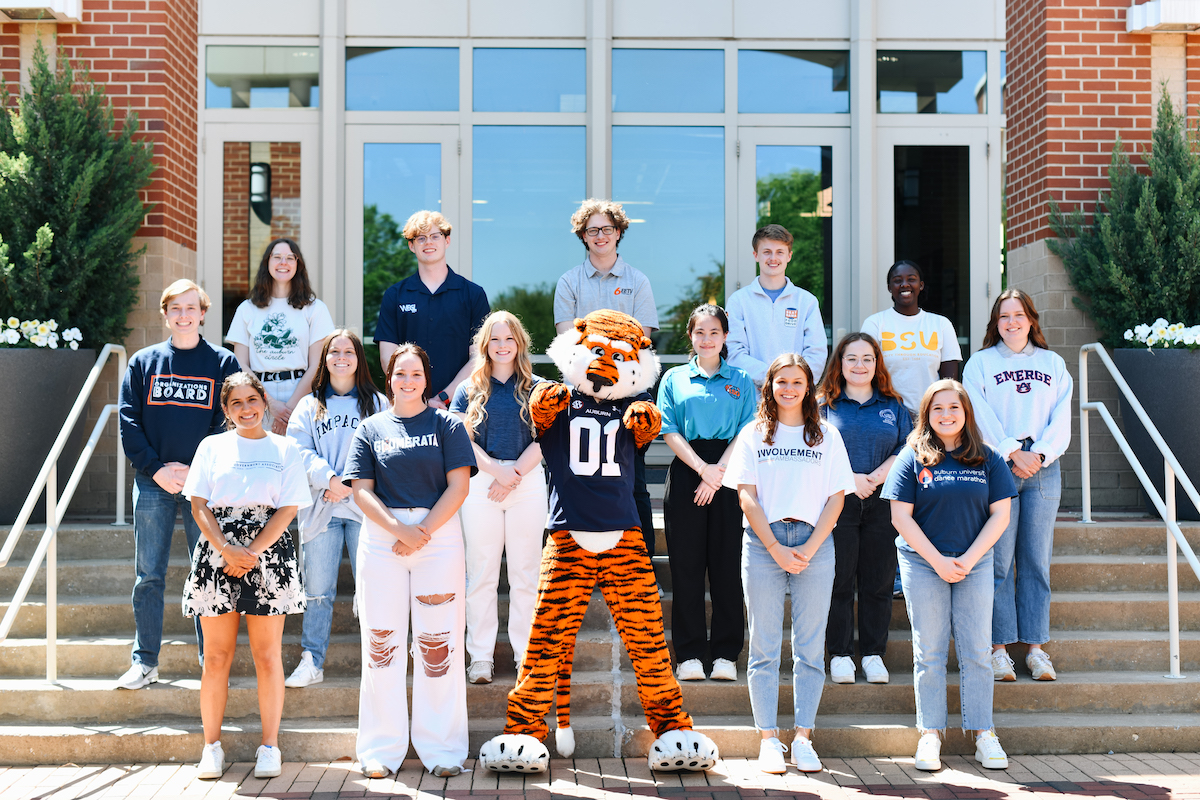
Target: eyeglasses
column 432, row 238
column 854, row 361
column 607, row 230
column 276, row 258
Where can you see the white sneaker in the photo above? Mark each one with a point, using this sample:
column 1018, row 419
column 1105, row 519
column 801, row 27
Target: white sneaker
column 873, row 668
column 929, row 752
column 446, row 772
column 212, row 762
column 988, row 751
column 480, row 672
column 305, row 673
column 1002, row 666
column 723, row 670
column 1040, row 666
column 841, row 669
column 137, row 676
column 803, row 755
column 770, row 756
column 374, row 769
column 269, row 762
column 690, row 670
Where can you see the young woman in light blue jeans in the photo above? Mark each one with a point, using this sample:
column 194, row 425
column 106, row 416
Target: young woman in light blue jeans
column 791, row 471
column 950, row 496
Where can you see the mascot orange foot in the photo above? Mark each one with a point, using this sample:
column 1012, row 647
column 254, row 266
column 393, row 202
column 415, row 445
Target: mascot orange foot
column 589, row 435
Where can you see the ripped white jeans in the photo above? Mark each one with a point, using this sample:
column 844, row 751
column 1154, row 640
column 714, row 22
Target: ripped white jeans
column 431, row 584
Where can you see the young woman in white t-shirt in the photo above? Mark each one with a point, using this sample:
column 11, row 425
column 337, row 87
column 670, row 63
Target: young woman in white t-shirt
column 245, row 486
column 792, row 472
column 279, row 331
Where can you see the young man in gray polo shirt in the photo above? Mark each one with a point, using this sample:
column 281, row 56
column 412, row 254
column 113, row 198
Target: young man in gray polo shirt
column 604, row 280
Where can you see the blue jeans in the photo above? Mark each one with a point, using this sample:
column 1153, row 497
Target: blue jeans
column 935, row 608
column 1021, row 610
column 154, row 511
column 322, row 560
column 766, row 586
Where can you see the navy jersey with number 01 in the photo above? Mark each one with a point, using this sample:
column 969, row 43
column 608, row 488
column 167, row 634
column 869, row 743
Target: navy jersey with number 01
column 589, row 453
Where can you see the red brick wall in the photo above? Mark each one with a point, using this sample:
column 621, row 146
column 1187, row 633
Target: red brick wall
column 236, row 221
column 1076, row 81
column 10, row 55
column 285, row 190
column 144, row 54
column 1193, row 74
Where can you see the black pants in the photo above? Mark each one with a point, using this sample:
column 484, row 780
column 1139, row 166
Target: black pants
column 641, row 498
column 704, row 539
column 864, row 545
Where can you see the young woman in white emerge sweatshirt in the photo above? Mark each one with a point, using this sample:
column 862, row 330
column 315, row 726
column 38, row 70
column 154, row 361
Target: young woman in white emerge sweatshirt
column 324, row 422
column 1022, row 396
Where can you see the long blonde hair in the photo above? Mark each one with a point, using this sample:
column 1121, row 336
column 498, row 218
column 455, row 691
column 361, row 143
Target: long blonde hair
column 479, row 384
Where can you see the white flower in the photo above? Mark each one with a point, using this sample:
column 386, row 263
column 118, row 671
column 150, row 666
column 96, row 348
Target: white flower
column 1189, row 339
column 53, row 344
column 43, row 329
column 11, row 336
column 73, row 335
column 38, row 340
column 13, row 322
column 1129, row 335
column 74, row 345
column 51, row 324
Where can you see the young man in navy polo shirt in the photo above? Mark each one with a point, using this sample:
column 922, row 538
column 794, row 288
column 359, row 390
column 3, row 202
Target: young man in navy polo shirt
column 436, row 308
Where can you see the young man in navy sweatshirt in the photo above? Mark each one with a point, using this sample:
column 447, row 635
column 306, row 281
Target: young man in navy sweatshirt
column 170, row 400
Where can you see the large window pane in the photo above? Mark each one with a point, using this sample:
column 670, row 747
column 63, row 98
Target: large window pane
column 398, row 180
column 668, row 80
column 795, row 190
column 402, row 79
column 931, row 81
column 527, row 181
column 671, row 181
column 529, row 79
column 252, row 76
column 794, row 81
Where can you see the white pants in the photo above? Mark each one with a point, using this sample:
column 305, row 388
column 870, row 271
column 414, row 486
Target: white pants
column 430, row 583
column 513, row 526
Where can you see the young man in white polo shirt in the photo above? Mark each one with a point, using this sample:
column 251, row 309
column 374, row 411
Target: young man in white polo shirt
column 604, row 280
column 772, row 315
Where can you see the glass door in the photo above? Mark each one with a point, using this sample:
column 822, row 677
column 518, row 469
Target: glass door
column 796, row 178
column 933, row 206
column 392, row 172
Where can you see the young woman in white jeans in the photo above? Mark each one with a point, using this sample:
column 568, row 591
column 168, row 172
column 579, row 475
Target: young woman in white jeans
column 792, row 473
column 410, row 467
column 505, row 511
column 950, row 496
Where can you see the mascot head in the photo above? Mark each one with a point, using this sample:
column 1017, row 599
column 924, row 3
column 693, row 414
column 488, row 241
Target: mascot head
column 606, row 355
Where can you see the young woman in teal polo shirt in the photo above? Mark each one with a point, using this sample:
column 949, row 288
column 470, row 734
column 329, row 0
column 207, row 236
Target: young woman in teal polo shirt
column 705, row 403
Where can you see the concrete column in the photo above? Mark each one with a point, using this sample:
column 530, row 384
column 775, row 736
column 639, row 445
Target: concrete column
column 1168, row 62
column 864, row 257
column 330, row 230
column 599, row 98
column 31, row 33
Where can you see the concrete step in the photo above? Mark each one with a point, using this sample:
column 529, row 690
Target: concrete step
column 1117, row 573
column 1135, row 538
column 836, row 736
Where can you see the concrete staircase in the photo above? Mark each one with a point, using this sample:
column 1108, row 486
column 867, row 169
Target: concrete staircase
column 1109, row 618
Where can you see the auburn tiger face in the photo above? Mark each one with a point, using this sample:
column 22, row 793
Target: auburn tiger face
column 606, row 355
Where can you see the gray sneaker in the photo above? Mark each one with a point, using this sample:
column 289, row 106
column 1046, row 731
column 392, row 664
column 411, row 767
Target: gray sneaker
column 137, row 677
column 1040, row 666
column 1002, row 666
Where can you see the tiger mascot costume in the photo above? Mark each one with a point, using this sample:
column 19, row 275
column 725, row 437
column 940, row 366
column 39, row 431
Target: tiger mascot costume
column 588, row 436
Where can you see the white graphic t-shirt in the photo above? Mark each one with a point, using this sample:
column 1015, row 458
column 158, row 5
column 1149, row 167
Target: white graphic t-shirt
column 280, row 334
column 793, row 480
column 913, row 349
column 231, row 470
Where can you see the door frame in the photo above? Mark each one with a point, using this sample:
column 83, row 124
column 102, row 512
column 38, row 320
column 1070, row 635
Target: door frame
column 359, row 135
column 744, row 269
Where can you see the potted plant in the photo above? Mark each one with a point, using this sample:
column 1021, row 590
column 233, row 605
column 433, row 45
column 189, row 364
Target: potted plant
column 70, row 204
column 1136, row 265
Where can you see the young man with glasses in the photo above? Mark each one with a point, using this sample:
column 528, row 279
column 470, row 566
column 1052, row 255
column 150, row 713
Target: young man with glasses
column 435, row 308
column 604, row 280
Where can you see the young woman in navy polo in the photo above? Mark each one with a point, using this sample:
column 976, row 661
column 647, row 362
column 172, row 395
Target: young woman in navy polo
column 704, row 404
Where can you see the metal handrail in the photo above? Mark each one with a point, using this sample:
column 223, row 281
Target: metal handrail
column 56, row 508
column 1172, row 471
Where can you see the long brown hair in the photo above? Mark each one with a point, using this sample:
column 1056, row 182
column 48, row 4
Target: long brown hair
column 419, row 352
column 835, row 382
column 992, row 336
column 929, row 447
column 767, row 416
column 244, row 379
column 301, row 293
column 367, row 391
column 479, row 384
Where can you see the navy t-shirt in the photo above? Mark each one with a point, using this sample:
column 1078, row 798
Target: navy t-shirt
column 589, row 455
column 873, row 431
column 408, row 457
column 950, row 500
column 502, row 434
column 442, row 323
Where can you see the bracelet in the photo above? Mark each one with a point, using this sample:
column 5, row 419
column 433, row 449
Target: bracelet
column 772, row 544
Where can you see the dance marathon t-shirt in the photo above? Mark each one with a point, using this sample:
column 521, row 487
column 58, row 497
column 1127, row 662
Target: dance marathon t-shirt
column 793, row 480
column 232, row 470
column 950, row 500
column 408, row 457
column 913, row 349
column 280, row 334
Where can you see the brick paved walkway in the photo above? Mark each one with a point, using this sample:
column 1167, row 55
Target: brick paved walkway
column 1128, row 776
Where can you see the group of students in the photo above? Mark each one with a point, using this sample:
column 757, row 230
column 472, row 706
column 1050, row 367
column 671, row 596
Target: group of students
column 807, row 467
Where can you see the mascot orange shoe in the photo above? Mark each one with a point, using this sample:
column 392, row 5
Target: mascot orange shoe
column 589, row 435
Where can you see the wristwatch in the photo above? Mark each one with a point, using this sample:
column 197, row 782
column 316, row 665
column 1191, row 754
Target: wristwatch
column 445, row 398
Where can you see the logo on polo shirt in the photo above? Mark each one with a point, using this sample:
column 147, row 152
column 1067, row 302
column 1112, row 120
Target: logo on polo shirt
column 411, row 308
column 622, row 291
column 925, row 478
column 888, row 416
column 734, row 392
column 790, row 315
